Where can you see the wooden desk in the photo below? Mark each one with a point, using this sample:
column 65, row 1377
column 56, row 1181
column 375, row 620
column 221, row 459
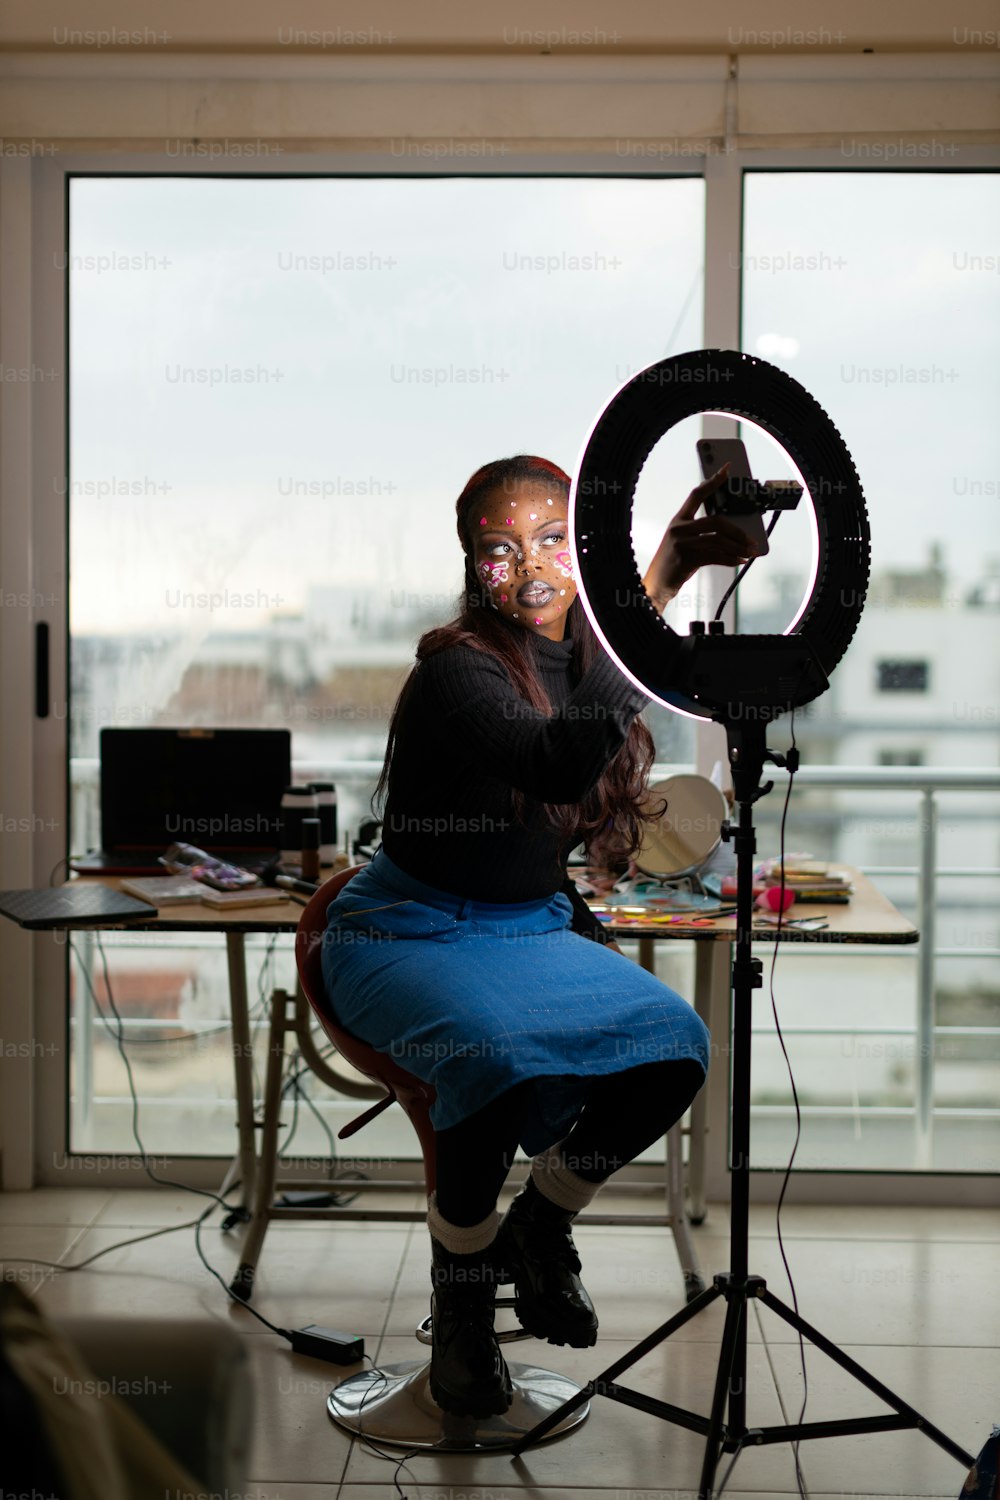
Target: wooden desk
column 868, row 918
column 292, row 1015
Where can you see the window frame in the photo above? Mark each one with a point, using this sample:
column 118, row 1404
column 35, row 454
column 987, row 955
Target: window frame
column 34, row 236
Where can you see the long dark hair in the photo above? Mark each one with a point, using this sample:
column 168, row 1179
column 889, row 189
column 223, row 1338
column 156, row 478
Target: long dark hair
column 610, row 820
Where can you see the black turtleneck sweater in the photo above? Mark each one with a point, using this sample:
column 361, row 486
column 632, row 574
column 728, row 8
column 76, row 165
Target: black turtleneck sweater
column 466, row 737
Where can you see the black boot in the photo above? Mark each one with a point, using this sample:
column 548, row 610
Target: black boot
column 535, row 1249
column 469, row 1376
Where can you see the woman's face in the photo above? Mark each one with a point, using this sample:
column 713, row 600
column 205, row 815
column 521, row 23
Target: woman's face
column 520, row 554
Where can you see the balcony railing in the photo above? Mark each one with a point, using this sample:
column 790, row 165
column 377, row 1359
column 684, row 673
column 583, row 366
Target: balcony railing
column 927, row 784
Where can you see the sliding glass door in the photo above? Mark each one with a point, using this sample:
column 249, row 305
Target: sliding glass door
column 278, row 388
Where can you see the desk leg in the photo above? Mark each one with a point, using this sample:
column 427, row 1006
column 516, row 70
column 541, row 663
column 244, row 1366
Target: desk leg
column 674, row 1173
column 242, row 1064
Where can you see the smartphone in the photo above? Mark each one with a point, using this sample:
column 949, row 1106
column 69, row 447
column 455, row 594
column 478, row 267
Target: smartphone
column 185, row 859
column 713, row 453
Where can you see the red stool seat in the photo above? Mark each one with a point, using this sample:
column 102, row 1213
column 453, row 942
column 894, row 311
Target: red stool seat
column 415, row 1096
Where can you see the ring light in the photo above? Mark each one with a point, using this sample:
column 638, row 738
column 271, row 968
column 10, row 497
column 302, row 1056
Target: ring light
column 708, row 673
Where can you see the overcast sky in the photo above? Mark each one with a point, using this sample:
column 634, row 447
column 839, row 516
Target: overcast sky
column 399, row 333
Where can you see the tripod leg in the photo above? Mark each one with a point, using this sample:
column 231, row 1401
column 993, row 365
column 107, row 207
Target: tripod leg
column 608, row 1376
column 723, row 1376
column 864, row 1377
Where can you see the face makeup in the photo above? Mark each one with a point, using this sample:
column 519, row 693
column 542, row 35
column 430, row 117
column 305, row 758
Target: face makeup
column 521, row 553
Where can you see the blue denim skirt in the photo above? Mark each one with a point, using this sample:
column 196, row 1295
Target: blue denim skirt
column 475, row 997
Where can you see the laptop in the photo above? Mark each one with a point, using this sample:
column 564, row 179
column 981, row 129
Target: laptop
column 219, row 789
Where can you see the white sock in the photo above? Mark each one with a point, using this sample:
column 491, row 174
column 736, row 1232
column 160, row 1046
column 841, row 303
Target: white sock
column 459, row 1238
column 559, row 1184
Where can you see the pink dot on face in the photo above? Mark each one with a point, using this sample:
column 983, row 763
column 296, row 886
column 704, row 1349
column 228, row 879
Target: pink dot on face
column 508, row 522
column 503, row 598
column 513, row 503
column 482, row 520
column 538, row 619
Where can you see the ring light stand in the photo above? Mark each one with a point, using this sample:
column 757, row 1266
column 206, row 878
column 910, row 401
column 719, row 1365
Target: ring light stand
column 744, row 683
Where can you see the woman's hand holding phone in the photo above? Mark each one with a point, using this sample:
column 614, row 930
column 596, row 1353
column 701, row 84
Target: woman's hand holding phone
column 689, row 544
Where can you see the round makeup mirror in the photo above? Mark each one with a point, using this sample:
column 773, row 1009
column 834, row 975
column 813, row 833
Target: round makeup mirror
column 689, row 831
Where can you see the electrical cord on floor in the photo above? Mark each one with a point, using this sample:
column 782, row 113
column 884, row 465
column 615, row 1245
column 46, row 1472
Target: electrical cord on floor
column 80, row 1265
column 217, row 1198
column 196, row 1224
column 284, row 1333
column 732, row 1464
column 370, row 1445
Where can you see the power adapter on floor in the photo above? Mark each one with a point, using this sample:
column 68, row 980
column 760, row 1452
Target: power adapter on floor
column 328, row 1343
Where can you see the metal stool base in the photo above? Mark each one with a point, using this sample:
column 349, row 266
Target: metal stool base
column 394, row 1406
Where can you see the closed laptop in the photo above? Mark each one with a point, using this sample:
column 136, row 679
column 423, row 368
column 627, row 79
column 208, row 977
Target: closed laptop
column 220, row 789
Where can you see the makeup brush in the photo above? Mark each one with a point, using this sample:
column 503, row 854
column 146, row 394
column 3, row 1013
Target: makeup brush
column 272, row 874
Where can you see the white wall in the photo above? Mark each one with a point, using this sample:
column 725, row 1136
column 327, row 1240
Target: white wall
column 526, row 25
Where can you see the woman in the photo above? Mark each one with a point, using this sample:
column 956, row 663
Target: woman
column 462, row 948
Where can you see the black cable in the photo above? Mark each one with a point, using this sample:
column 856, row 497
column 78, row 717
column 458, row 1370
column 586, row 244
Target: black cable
column 185, row 1036
column 742, row 573
column 196, row 1036
column 289, row 1083
column 298, row 1070
column 310, row 1104
column 732, row 1464
column 196, row 1224
column 793, row 766
column 369, row 1443
column 119, row 1037
column 162, row 1181
column 155, row 1233
column 282, row 1332
column 80, row 1265
column 339, row 1200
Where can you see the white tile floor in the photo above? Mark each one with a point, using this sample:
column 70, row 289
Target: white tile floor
column 910, row 1293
